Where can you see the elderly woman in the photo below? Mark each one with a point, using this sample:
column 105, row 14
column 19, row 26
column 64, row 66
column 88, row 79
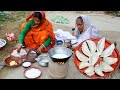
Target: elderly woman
column 36, row 33
column 83, row 31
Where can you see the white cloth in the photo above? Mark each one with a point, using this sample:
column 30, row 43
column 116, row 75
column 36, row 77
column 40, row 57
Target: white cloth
column 89, row 31
column 63, row 35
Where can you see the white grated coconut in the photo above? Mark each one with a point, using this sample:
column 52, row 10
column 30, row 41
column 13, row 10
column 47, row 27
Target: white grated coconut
column 32, row 73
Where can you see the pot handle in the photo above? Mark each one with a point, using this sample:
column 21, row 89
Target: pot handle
column 115, row 43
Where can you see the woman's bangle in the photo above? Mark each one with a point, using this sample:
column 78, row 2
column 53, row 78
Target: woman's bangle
column 43, row 45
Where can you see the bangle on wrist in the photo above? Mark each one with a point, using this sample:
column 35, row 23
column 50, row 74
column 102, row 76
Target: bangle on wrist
column 43, row 45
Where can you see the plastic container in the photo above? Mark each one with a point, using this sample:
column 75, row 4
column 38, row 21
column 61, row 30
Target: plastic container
column 59, row 42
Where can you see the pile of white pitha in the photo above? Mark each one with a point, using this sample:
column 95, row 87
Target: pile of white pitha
column 93, row 51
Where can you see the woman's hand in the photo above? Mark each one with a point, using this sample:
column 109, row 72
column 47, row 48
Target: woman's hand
column 73, row 34
column 39, row 50
column 73, row 49
column 18, row 47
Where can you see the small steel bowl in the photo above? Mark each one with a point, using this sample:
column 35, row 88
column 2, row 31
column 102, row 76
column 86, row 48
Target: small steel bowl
column 45, row 64
column 4, row 43
column 40, row 59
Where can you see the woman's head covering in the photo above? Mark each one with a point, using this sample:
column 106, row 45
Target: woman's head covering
column 89, row 31
column 88, row 28
column 86, row 22
column 43, row 15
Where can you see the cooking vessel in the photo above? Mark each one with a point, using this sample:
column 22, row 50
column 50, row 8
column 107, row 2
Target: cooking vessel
column 40, row 59
column 60, row 50
column 31, row 55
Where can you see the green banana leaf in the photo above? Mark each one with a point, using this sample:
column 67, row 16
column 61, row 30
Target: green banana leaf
column 60, row 19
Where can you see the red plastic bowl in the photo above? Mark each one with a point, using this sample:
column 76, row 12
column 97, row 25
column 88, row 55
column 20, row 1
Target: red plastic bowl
column 9, row 59
column 115, row 54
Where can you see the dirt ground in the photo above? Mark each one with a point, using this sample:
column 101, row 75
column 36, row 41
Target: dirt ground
column 12, row 25
column 109, row 26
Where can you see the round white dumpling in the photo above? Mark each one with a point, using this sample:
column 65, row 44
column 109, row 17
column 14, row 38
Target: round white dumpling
column 81, row 57
column 94, row 58
column 108, row 51
column 89, row 71
column 85, row 49
column 98, row 70
column 106, row 67
column 101, row 45
column 83, row 64
column 92, row 46
column 110, row 60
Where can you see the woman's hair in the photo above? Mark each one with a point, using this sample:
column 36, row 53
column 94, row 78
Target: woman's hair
column 80, row 18
column 38, row 15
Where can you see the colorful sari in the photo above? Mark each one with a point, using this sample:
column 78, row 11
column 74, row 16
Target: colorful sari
column 38, row 34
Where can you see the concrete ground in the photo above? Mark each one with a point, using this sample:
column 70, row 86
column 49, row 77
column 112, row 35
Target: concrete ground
column 109, row 26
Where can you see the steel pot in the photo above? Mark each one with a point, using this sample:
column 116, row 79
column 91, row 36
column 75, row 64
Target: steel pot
column 60, row 50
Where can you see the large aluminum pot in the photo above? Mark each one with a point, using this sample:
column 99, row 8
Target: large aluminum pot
column 60, row 50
